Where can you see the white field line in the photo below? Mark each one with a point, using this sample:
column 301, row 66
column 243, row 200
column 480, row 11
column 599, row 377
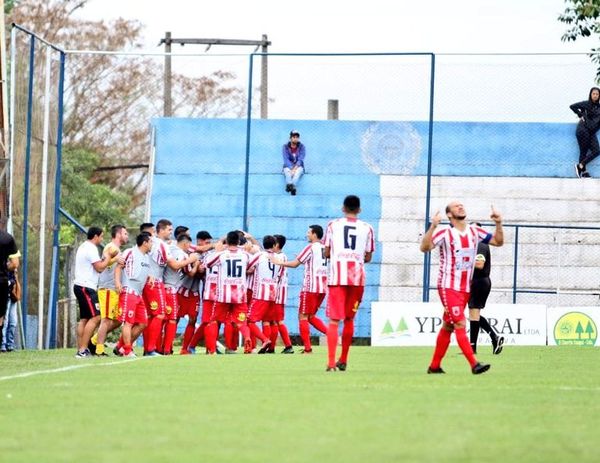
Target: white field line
column 68, row 368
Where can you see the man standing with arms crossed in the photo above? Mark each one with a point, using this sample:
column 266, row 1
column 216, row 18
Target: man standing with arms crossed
column 349, row 244
column 458, row 247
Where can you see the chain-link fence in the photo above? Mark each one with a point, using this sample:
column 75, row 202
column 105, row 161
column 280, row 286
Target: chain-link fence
column 406, row 132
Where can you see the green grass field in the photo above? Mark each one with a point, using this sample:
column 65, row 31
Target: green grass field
column 537, row 404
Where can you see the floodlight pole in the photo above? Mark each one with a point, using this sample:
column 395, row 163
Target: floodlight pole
column 263, row 44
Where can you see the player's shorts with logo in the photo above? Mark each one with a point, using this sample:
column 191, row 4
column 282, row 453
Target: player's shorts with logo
column 188, row 304
column 343, row 301
column 310, row 303
column 87, row 299
column 109, row 303
column 154, row 298
column 132, row 308
column 454, row 303
column 171, row 304
column 258, row 310
column 224, row 312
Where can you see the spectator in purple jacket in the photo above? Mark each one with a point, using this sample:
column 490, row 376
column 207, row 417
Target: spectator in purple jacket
column 293, row 161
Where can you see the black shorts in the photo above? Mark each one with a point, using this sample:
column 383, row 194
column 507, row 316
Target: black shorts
column 480, row 290
column 4, row 293
column 87, row 299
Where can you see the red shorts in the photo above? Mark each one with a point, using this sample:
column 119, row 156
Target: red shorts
column 310, row 303
column 208, row 308
column 188, row 305
column 132, row 309
column 154, row 298
column 454, row 303
column 343, row 301
column 258, row 309
column 226, row 312
column 172, row 304
column 277, row 314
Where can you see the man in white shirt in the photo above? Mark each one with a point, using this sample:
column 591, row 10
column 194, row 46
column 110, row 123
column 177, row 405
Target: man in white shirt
column 88, row 265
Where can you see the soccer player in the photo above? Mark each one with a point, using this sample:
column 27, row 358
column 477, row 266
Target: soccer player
column 154, row 291
column 107, row 294
column 173, row 279
column 130, row 279
column 264, row 292
column 88, row 266
column 314, row 285
column 349, row 244
column 277, row 315
column 233, row 264
column 458, row 246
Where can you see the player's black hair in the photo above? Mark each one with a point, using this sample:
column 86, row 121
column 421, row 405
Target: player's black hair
column 317, row 230
column 116, row 229
column 93, row 231
column 180, row 229
column 242, row 236
column 281, row 240
column 269, row 241
column 352, row 203
column 162, row 224
column 183, row 237
column 146, row 226
column 142, row 238
column 203, row 235
column 233, row 238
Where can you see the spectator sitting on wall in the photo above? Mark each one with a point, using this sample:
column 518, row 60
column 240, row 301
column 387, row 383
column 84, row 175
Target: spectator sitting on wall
column 293, row 161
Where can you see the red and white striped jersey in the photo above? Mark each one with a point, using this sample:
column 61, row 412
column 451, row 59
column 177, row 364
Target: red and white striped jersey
column 211, row 279
column 159, row 254
column 315, row 268
column 233, row 264
column 265, row 277
column 282, row 281
column 457, row 255
column 348, row 240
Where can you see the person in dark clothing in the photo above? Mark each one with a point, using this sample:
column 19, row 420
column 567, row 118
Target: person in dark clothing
column 480, row 290
column 589, row 122
column 293, row 153
column 9, row 261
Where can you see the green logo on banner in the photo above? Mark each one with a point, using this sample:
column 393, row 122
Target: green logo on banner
column 389, row 332
column 575, row 329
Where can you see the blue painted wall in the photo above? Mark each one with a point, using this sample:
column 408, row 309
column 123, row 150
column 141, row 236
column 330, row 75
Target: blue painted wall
column 200, row 172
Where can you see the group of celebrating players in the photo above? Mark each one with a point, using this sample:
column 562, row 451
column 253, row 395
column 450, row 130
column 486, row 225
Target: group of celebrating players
column 232, row 282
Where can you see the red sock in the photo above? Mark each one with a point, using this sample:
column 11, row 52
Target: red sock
column 244, row 331
column 347, row 335
column 332, row 339
column 230, row 340
column 305, row 334
column 198, row 336
column 211, row 331
column 154, row 329
column 127, row 349
column 146, row 334
column 283, row 331
column 256, row 332
column 273, row 337
column 170, row 332
column 441, row 346
column 160, row 338
column 119, row 343
column 266, row 329
column 187, row 335
column 465, row 345
column 318, row 324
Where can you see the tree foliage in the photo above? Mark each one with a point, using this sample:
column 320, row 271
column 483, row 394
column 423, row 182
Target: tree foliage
column 110, row 99
column 583, row 19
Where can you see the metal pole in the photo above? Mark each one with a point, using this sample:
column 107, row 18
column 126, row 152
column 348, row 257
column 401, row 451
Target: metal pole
column 13, row 91
column 515, row 264
column 427, row 255
column 264, row 80
column 168, row 103
column 333, row 110
column 43, row 199
column 26, row 183
column 248, row 126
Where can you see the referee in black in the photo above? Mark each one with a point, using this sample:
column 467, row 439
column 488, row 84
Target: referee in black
column 480, row 290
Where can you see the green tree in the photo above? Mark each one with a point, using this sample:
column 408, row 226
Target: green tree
column 583, row 19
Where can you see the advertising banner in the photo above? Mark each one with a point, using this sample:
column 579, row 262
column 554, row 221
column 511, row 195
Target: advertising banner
column 417, row 323
column 573, row 326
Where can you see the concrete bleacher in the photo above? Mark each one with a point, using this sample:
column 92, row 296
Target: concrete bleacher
column 526, row 170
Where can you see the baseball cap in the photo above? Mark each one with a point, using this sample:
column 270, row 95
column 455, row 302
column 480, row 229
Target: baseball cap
column 294, row 132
